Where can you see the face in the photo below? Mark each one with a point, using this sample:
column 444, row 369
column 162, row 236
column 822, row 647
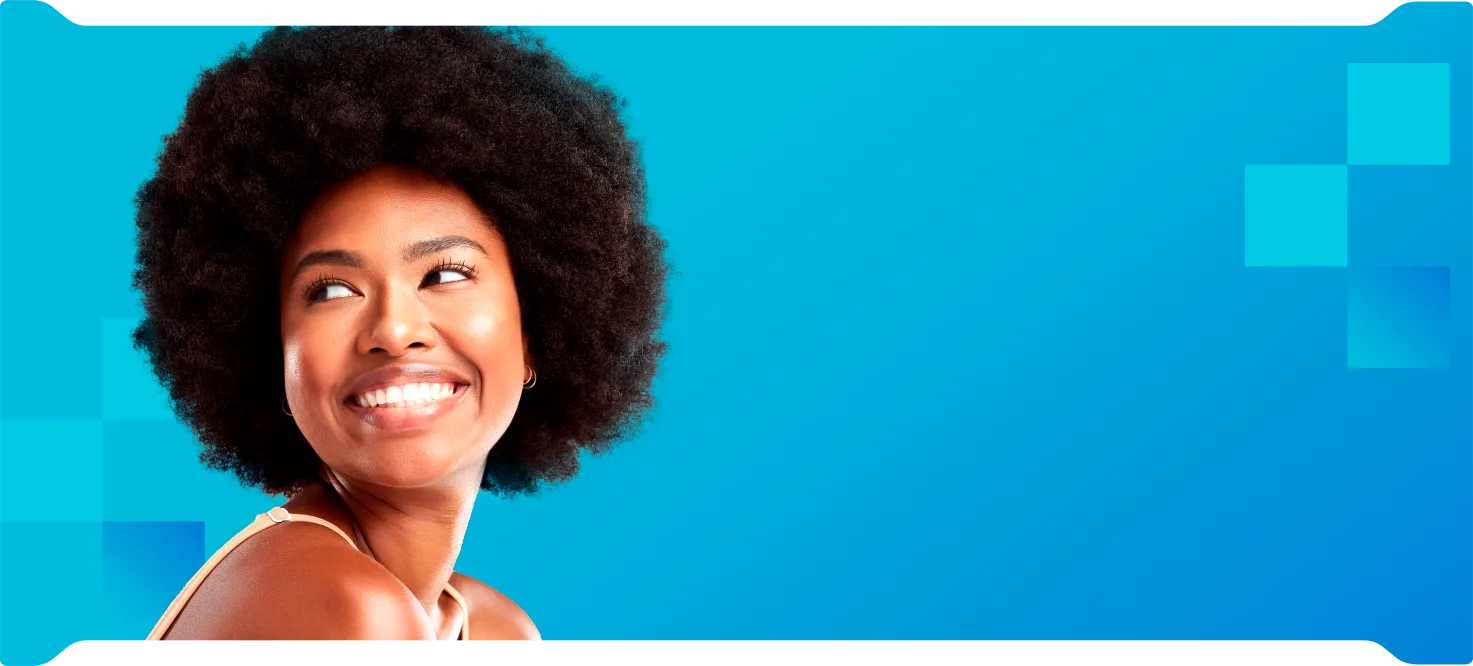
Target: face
column 402, row 334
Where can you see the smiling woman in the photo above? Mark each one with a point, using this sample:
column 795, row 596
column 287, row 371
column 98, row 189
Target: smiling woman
column 383, row 270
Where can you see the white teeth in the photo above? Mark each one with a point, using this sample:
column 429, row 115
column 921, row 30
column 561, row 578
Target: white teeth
column 406, row 395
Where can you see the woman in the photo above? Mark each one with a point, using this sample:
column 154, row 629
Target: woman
column 385, row 269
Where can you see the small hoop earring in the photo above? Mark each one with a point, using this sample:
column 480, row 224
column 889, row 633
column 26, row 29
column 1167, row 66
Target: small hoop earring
column 284, row 409
column 529, row 383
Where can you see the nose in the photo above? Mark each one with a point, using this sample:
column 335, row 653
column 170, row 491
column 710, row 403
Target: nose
column 398, row 322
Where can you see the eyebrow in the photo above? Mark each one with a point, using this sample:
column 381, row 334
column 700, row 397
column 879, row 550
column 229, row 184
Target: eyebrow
column 355, row 260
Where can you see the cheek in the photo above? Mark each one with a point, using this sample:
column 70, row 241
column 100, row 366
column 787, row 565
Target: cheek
column 296, row 367
column 308, row 361
column 494, row 341
column 497, row 338
column 482, row 326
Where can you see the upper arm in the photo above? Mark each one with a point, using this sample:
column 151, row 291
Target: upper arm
column 370, row 607
column 494, row 616
column 306, row 585
column 509, row 621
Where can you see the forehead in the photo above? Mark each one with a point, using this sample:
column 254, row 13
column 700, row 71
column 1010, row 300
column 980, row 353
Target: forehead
column 384, row 209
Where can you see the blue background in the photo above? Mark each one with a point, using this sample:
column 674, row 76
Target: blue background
column 963, row 344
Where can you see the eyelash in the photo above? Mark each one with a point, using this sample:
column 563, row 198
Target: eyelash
column 321, row 280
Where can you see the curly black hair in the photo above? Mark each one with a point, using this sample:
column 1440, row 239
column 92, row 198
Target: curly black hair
column 544, row 151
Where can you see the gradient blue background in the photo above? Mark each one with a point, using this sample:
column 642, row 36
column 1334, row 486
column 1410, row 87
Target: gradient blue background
column 1397, row 317
column 962, row 346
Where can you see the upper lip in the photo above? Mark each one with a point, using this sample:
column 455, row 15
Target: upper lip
column 407, row 373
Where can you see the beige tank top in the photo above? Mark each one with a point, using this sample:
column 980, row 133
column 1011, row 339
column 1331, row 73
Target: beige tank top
column 264, row 520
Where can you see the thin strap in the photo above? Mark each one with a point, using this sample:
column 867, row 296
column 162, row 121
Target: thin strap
column 465, row 613
column 312, row 519
column 263, row 520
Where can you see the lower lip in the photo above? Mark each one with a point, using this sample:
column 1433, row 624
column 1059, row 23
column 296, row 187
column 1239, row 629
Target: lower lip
column 395, row 419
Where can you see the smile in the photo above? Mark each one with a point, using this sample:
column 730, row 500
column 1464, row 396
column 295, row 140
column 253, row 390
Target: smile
column 405, row 395
column 406, row 407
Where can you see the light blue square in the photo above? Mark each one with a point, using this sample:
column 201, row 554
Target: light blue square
column 130, row 392
column 1398, row 113
column 1295, row 215
column 50, row 470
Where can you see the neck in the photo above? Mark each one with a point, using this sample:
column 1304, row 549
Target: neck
column 415, row 533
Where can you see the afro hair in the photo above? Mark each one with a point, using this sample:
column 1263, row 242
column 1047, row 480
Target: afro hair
column 542, row 150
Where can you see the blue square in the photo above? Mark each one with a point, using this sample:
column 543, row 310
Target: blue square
column 129, row 389
column 144, row 565
column 1397, row 317
column 1398, row 113
column 1294, row 215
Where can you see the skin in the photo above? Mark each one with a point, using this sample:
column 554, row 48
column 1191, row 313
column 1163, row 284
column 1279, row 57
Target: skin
column 408, row 492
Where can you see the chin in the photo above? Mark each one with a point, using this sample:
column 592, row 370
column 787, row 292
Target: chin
column 410, row 471
column 399, row 463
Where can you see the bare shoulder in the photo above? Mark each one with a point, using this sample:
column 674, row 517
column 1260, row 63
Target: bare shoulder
column 494, row 616
column 300, row 581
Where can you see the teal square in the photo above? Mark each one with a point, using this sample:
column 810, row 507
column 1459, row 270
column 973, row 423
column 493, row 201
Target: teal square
column 129, row 389
column 51, row 470
column 1295, row 215
column 1398, row 113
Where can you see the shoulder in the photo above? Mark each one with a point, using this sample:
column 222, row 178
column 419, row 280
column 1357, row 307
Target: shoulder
column 300, row 581
column 494, row 616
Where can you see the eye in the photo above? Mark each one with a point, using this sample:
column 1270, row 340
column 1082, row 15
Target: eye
column 441, row 277
column 449, row 271
column 326, row 288
column 332, row 291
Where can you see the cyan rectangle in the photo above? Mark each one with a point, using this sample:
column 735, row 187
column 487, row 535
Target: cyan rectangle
column 1295, row 215
column 129, row 389
column 1397, row 317
column 50, row 470
column 1397, row 113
